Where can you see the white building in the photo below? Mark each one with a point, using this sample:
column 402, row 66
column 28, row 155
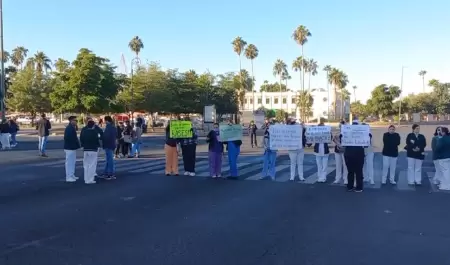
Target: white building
column 286, row 101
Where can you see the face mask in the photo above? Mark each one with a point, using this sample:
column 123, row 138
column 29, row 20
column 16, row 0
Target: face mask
column 216, row 129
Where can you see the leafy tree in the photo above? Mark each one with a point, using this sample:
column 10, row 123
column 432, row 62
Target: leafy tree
column 359, row 110
column 281, row 115
column 279, row 68
column 136, row 45
column 238, row 47
column 305, row 102
column 18, row 56
column 381, row 101
column 311, row 70
column 251, row 52
column 272, row 87
column 42, row 62
column 300, row 36
column 339, row 80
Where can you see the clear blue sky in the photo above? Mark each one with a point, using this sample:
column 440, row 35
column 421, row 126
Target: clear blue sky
column 369, row 40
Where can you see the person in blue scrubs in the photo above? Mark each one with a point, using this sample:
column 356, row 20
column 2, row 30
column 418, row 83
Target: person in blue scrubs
column 233, row 148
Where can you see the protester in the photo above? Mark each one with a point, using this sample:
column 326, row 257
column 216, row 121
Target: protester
column 415, row 147
column 119, row 138
column 443, row 151
column 233, row 149
column 43, row 127
column 354, row 159
column 270, row 157
column 13, row 129
column 109, row 144
column 296, row 156
column 188, row 149
column 127, row 136
column 4, row 135
column 171, row 150
column 215, row 151
column 90, row 142
column 252, row 128
column 71, row 145
column 321, row 150
column 137, row 138
column 341, row 166
column 391, row 141
column 368, row 161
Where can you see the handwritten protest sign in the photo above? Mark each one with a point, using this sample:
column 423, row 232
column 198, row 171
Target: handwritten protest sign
column 318, row 134
column 355, row 135
column 180, row 129
column 230, row 132
column 285, row 137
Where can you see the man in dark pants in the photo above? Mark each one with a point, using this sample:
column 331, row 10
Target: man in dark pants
column 354, row 159
column 252, row 130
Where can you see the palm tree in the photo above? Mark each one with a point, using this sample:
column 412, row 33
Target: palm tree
column 312, row 70
column 300, row 35
column 339, row 80
column 279, row 68
column 354, row 92
column 422, row 73
column 18, row 56
column 345, row 95
column 238, row 47
column 297, row 66
column 136, row 45
column 42, row 62
column 61, row 65
column 327, row 69
column 251, row 52
column 5, row 57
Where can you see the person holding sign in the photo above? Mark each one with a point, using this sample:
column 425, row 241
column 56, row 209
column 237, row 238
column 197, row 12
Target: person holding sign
column 354, row 159
column 322, row 151
column 391, row 141
column 188, row 149
column 215, row 151
column 341, row 167
column 233, row 148
column 171, row 150
column 415, row 147
column 270, row 157
column 443, row 150
column 296, row 157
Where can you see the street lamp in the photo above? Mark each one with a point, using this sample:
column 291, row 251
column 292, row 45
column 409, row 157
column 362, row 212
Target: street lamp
column 134, row 61
column 2, row 68
column 400, row 99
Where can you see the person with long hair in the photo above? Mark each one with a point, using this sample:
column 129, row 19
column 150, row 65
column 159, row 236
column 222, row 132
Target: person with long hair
column 341, row 167
column 171, row 151
column 443, row 149
column 270, row 157
column 436, row 155
column 415, row 148
column 215, row 151
column 391, row 141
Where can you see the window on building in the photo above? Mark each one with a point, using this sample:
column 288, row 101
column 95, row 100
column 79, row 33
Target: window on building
column 275, row 101
column 293, row 100
column 259, row 100
column 267, row 100
column 284, row 100
column 251, row 101
column 245, row 101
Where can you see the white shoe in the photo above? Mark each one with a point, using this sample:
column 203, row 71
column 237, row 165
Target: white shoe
column 186, row 173
column 301, row 178
column 92, row 182
column 393, row 182
column 71, row 180
column 345, row 182
column 321, row 180
column 336, row 182
column 214, row 176
column 192, row 174
column 372, row 182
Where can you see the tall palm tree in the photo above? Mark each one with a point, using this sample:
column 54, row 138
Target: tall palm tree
column 301, row 35
column 354, row 92
column 327, row 69
column 279, row 68
column 42, row 62
column 422, row 73
column 18, row 56
column 238, row 47
column 251, row 52
column 345, row 96
column 339, row 80
column 297, row 66
column 5, row 57
column 136, row 45
column 312, row 70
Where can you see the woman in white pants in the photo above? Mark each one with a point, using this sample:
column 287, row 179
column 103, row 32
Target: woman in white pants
column 436, row 156
column 368, row 162
column 443, row 151
column 341, row 167
column 391, row 141
column 321, row 151
column 296, row 157
column 415, row 147
column 90, row 142
column 4, row 135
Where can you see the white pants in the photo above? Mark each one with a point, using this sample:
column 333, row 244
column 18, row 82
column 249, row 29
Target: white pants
column 444, row 165
column 71, row 160
column 4, row 140
column 322, row 165
column 341, row 167
column 90, row 166
column 414, row 171
column 438, row 174
column 296, row 158
column 389, row 164
column 368, row 166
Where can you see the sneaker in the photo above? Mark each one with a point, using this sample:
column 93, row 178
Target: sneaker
column 372, row 182
column 384, row 182
column 71, row 180
column 352, row 189
column 302, row 178
column 356, row 190
column 336, row 182
column 192, row 174
column 186, row 173
column 214, row 176
column 91, row 182
column 393, row 182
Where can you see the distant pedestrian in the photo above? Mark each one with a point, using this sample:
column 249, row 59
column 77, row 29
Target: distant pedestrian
column 90, row 142
column 43, row 128
column 188, row 150
column 109, row 144
column 270, row 157
column 13, row 129
column 252, row 128
column 341, row 167
column 4, row 135
column 443, row 149
column 215, row 151
column 415, row 152
column 127, row 136
column 119, row 139
column 71, row 145
column 391, row 141
column 136, row 138
column 354, row 159
column 171, row 151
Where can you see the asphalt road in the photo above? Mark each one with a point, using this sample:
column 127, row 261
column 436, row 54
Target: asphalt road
column 148, row 218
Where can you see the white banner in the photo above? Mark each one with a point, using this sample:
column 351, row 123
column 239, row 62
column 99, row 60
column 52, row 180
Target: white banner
column 318, row 134
column 355, row 135
column 285, row 137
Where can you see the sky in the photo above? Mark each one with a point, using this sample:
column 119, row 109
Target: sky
column 369, row 40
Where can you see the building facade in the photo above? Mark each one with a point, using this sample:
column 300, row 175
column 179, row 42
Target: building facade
column 323, row 105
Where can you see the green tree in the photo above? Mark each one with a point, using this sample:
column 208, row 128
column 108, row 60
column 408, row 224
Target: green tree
column 339, row 80
column 18, row 56
column 422, row 73
column 5, row 57
column 42, row 62
column 61, row 65
column 272, row 87
column 136, row 45
column 381, row 101
column 359, row 110
column 251, row 52
column 301, row 35
column 238, row 47
column 281, row 115
column 305, row 102
column 312, row 71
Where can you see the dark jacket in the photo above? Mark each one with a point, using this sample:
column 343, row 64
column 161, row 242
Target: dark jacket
column 43, row 127
column 354, row 152
column 325, row 145
column 172, row 142
column 412, row 142
column 109, row 136
column 70, row 138
column 391, row 141
column 4, row 127
column 442, row 148
column 252, row 128
column 211, row 139
column 304, row 137
column 13, row 127
column 89, row 139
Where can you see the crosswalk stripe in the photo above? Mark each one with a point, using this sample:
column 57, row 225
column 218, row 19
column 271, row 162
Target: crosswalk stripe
column 314, row 177
column 434, row 187
column 161, row 163
column 286, row 175
column 258, row 175
column 180, row 166
column 225, row 168
column 135, row 165
column 402, row 183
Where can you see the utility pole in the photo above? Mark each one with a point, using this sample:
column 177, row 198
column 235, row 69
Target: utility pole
column 400, row 104
column 2, row 68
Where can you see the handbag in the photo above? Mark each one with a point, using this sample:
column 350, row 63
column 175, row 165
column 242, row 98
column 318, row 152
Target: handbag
column 127, row 139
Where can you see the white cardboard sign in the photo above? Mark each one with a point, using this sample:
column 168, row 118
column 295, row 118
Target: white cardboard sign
column 286, row 137
column 355, row 135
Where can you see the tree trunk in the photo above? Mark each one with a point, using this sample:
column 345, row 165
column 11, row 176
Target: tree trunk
column 309, row 81
column 253, row 89
column 303, row 72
